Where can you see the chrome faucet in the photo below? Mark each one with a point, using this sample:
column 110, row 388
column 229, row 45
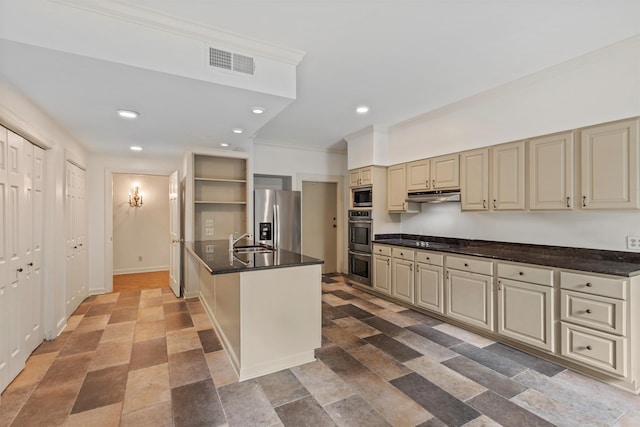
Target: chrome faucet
column 232, row 241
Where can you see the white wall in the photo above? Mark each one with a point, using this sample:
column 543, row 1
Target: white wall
column 100, row 200
column 25, row 118
column 140, row 234
column 596, row 88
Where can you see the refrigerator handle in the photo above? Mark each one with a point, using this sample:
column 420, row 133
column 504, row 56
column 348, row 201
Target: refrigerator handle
column 276, row 226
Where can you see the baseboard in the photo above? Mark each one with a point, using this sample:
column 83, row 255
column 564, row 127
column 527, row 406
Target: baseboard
column 140, row 270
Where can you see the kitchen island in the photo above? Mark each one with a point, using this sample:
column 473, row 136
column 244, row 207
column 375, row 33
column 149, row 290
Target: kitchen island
column 265, row 305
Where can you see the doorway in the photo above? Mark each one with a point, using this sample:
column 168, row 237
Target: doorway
column 320, row 223
column 141, row 256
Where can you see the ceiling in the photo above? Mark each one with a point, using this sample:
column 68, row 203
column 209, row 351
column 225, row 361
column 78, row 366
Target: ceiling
column 402, row 58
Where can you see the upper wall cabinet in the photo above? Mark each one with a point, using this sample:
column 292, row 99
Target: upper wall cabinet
column 508, row 176
column 609, row 166
column 474, row 180
column 551, row 172
column 361, row 177
column 397, row 188
column 438, row 173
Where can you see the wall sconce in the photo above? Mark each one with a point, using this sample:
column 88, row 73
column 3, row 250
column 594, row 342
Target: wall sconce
column 135, row 199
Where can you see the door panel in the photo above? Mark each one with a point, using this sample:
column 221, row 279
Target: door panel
column 319, row 223
column 174, row 234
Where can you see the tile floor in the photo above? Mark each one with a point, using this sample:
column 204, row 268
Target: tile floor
column 146, row 358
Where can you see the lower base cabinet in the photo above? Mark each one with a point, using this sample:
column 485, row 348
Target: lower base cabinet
column 402, row 274
column 382, row 274
column 429, row 287
column 470, row 298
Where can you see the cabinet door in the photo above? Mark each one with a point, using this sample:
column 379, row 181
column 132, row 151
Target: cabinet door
column 396, row 188
column 551, row 172
column 610, row 166
column 418, row 174
column 445, row 172
column 470, row 298
column 366, row 176
column 429, row 287
column 354, row 178
column 525, row 313
column 507, row 182
column 402, row 281
column 474, row 180
column 382, row 274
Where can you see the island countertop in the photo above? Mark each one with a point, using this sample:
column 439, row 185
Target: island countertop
column 215, row 256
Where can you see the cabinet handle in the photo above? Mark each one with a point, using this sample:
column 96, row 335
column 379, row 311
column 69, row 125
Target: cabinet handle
column 410, row 267
column 20, row 270
column 568, row 204
column 588, row 285
column 427, row 184
column 521, row 273
column 495, row 204
column 403, row 208
column 499, row 285
column 589, row 347
column 588, row 311
column 584, row 201
column 484, row 204
column 30, row 264
column 387, row 261
column 428, row 258
column 418, row 268
column 447, row 275
column 466, row 265
column 434, row 184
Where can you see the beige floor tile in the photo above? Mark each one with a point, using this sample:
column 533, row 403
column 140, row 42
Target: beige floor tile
column 106, row 416
column 324, row 384
column 119, row 332
column 106, row 298
column 342, row 337
column 111, row 353
column 427, row 347
column 157, row 416
column 201, row 321
column 467, row 336
column 334, row 300
column 150, row 293
column 34, row 369
column 379, row 362
column 182, row 340
column 92, row 323
column 447, row 379
column 388, row 304
column 11, row 402
column 394, row 317
column 149, row 330
column 151, row 314
column 147, row 387
column 73, row 322
column 221, row 369
column 356, row 327
column 150, row 302
column 482, row 421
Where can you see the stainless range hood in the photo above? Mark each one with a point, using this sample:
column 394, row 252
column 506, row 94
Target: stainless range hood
column 434, row 196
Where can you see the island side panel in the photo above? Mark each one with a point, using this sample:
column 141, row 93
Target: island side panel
column 281, row 318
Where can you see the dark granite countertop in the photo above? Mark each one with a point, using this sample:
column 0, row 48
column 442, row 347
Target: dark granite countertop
column 616, row 263
column 215, row 256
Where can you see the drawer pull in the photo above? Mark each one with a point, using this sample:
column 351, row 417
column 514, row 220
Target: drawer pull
column 588, row 285
column 466, row 265
column 428, row 258
column 521, row 273
column 588, row 311
column 588, row 347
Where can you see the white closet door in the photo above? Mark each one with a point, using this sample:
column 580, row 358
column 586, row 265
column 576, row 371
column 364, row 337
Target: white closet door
column 15, row 273
column 81, row 234
column 75, row 218
column 4, row 265
column 34, row 321
column 26, row 246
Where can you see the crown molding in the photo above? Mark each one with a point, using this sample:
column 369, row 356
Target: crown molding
column 154, row 19
column 266, row 143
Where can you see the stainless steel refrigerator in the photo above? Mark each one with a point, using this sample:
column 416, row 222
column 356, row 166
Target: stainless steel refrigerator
column 276, row 219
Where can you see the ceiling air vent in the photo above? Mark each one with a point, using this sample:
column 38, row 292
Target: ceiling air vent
column 231, row 61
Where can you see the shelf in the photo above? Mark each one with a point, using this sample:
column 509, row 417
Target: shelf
column 218, row 202
column 239, row 181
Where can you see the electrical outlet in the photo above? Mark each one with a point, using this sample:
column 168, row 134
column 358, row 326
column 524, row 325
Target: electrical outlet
column 208, row 249
column 208, row 231
column 633, row 243
column 208, row 223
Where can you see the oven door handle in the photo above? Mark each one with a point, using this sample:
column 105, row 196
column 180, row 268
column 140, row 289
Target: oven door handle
column 362, row 254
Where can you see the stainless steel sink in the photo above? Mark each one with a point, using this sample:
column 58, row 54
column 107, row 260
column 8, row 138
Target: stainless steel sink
column 253, row 249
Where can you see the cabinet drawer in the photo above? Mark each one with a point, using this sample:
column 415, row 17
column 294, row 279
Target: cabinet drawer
column 595, row 285
column 403, row 253
column 596, row 349
column 522, row 273
column 429, row 258
column 382, row 250
column 604, row 314
column 472, row 265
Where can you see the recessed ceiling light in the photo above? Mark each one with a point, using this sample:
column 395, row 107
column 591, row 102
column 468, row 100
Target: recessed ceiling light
column 362, row 109
column 258, row 110
column 224, row 144
column 236, row 130
column 128, row 114
column 135, row 148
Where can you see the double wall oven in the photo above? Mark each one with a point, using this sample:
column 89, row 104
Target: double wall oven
column 360, row 245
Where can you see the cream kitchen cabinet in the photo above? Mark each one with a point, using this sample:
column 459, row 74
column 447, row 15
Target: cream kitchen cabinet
column 610, row 157
column 397, row 190
column 402, row 274
column 474, row 180
column 551, row 172
column 469, row 285
column 361, row 177
column 508, row 176
column 382, row 269
column 438, row 173
column 526, row 304
column 429, row 291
